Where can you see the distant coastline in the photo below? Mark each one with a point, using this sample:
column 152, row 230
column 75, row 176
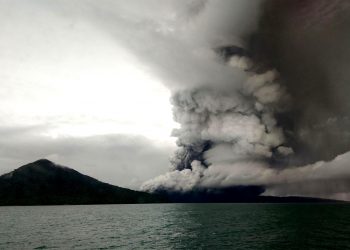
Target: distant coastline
column 45, row 183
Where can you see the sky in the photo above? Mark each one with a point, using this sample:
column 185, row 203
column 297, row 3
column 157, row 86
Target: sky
column 72, row 94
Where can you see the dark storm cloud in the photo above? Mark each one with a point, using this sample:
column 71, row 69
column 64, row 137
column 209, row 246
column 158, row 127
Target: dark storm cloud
column 308, row 43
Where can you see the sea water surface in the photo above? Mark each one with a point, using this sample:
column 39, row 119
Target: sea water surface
column 177, row 226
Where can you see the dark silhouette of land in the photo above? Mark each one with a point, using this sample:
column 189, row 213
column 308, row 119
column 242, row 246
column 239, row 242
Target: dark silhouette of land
column 46, row 183
column 235, row 194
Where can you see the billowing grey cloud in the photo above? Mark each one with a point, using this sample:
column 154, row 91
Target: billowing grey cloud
column 272, row 102
column 320, row 179
column 308, row 44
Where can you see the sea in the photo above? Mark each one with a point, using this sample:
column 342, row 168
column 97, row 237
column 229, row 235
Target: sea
column 177, row 226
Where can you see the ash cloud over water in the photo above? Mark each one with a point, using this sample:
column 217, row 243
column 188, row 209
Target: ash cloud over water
column 259, row 89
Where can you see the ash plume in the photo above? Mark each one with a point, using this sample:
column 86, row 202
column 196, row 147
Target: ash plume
column 259, row 89
column 308, row 44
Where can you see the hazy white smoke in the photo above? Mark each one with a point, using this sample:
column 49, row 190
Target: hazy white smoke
column 320, row 179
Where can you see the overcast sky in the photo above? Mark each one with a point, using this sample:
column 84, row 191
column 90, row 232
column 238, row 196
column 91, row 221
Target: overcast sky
column 71, row 93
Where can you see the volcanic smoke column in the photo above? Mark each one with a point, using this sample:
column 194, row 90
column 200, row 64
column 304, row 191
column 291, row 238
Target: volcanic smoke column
column 227, row 125
column 288, row 114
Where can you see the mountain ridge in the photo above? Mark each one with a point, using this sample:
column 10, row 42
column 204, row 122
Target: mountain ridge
column 45, row 183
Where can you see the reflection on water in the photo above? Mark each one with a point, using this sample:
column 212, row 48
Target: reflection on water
column 177, row 226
